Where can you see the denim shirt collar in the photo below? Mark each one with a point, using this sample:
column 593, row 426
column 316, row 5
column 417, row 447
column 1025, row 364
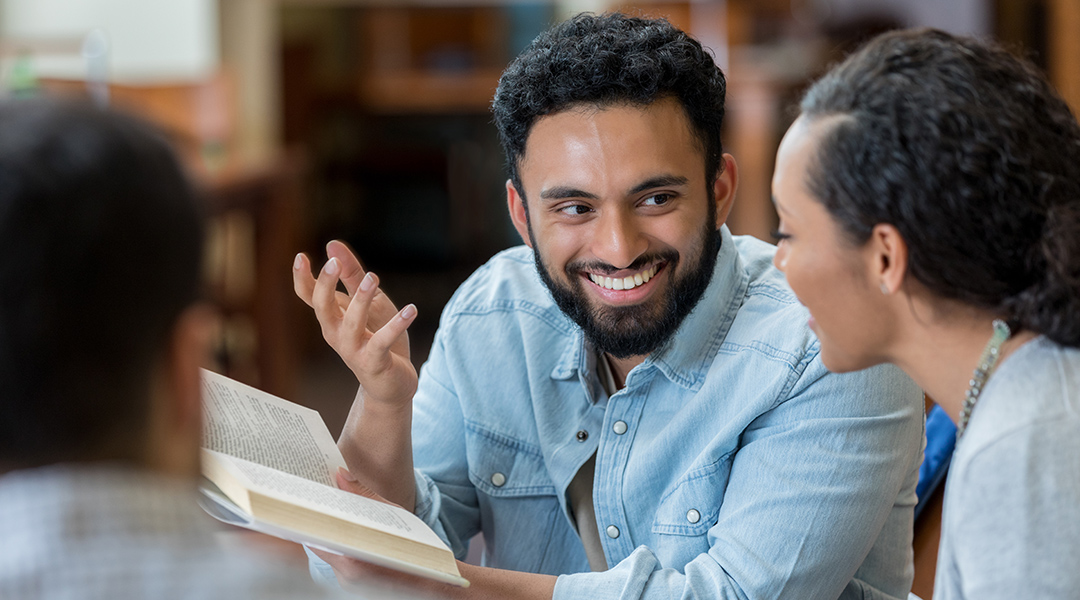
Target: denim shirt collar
column 686, row 357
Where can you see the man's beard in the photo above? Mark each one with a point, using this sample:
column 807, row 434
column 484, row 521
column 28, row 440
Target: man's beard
column 636, row 330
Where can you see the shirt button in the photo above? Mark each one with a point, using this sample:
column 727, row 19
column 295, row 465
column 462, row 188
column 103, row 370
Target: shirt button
column 612, row 531
column 498, row 479
column 582, row 435
column 693, row 516
column 619, row 427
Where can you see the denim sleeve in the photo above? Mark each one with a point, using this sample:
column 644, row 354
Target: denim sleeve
column 816, row 481
column 445, row 497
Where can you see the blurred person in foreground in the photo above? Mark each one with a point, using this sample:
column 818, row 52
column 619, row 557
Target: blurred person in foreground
column 630, row 405
column 929, row 197
column 101, row 338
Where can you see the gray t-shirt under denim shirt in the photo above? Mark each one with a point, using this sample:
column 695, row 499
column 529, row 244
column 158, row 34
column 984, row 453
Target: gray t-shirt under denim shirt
column 1011, row 526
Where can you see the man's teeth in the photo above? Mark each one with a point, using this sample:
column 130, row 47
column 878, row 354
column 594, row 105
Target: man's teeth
column 624, row 283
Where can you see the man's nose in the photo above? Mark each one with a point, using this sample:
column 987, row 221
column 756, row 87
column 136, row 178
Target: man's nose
column 618, row 239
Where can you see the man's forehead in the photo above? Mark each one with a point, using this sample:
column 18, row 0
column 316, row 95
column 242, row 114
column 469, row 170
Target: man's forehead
column 589, row 110
column 641, row 141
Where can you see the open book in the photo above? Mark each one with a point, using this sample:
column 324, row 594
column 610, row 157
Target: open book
column 269, row 465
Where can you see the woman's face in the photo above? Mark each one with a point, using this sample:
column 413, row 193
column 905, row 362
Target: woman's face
column 830, row 275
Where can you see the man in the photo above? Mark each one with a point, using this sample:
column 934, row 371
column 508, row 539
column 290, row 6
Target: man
column 101, row 340
column 637, row 393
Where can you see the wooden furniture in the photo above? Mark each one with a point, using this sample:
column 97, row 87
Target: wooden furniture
column 925, row 544
column 1064, row 21
column 1046, row 32
column 435, row 60
column 255, row 212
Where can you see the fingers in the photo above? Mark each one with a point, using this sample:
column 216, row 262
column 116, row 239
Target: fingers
column 388, row 334
column 303, row 282
column 323, row 299
column 347, row 482
column 351, row 271
column 356, row 316
column 363, row 310
column 353, row 574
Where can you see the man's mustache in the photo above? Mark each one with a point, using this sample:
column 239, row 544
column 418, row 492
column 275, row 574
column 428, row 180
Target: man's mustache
column 600, row 267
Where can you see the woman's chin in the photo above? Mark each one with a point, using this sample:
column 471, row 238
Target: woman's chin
column 840, row 362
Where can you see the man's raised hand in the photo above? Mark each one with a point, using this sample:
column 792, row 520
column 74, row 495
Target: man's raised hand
column 362, row 325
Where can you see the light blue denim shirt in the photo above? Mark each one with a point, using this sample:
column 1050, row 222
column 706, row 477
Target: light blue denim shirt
column 732, row 465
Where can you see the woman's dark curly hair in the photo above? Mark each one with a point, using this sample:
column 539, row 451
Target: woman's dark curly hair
column 604, row 60
column 973, row 157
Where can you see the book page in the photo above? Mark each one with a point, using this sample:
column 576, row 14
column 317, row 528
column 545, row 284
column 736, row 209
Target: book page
column 247, row 423
column 331, row 501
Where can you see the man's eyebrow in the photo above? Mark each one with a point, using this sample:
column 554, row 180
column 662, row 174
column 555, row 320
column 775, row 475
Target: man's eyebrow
column 563, row 192
column 660, row 181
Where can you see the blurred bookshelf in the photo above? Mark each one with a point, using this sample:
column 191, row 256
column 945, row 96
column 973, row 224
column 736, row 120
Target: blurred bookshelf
column 392, row 102
column 431, row 60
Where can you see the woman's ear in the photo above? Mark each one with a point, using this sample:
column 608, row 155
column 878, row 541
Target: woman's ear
column 888, row 257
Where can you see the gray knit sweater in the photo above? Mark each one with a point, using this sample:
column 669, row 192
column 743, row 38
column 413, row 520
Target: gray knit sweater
column 1011, row 526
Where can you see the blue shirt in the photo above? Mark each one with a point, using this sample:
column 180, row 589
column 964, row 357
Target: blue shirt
column 732, row 464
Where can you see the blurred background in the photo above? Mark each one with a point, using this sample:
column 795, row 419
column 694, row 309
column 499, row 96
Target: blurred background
column 368, row 121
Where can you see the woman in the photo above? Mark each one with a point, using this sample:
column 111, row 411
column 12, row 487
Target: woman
column 929, row 201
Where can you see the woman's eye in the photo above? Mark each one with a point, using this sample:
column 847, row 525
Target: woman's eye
column 780, row 236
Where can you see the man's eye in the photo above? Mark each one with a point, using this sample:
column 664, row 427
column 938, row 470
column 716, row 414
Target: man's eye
column 657, row 200
column 574, row 209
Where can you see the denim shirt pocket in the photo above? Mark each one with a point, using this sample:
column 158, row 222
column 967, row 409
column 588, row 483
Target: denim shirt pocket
column 523, row 525
column 692, row 505
column 503, row 467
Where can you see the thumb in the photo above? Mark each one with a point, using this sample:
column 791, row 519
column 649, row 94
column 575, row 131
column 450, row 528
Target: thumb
column 346, row 481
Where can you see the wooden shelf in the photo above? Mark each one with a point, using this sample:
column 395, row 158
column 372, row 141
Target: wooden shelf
column 420, row 91
column 430, row 60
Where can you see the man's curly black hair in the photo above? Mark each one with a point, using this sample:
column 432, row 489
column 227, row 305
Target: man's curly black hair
column 605, row 60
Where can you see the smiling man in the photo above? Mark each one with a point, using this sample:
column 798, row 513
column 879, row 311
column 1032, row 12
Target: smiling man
column 631, row 405
column 630, row 222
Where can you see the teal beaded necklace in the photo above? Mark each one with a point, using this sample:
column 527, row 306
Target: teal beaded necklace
column 985, row 366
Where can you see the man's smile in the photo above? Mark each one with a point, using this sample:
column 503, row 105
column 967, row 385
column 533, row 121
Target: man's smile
column 625, row 282
column 625, row 287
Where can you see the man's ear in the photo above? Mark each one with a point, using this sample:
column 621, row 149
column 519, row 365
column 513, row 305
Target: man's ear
column 176, row 410
column 888, row 257
column 727, row 181
column 188, row 351
column 516, row 203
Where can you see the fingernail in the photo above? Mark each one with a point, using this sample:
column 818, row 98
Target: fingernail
column 346, row 475
column 367, row 283
column 332, row 266
column 408, row 312
column 299, row 260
